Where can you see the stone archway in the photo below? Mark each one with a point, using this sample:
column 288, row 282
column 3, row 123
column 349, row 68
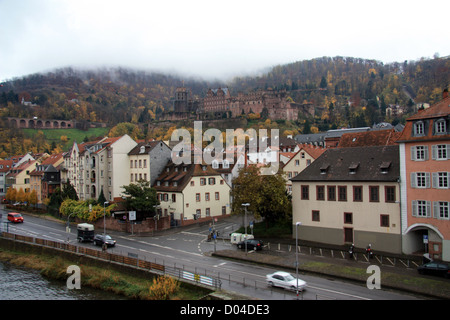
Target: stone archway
column 422, row 238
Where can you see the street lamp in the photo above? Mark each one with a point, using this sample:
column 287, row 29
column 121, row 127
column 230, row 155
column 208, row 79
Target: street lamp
column 296, row 253
column 245, row 205
column 104, row 223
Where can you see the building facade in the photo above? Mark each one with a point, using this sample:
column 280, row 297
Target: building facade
column 425, row 171
column 350, row 195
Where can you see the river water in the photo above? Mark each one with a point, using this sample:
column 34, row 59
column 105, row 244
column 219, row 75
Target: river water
column 25, row 284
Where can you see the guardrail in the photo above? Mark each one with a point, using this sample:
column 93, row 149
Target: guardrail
column 131, row 260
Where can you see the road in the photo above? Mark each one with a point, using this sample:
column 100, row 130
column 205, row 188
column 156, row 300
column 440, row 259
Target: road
column 189, row 249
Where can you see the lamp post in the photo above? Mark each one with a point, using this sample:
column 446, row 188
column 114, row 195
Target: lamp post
column 296, row 254
column 104, row 224
column 245, row 205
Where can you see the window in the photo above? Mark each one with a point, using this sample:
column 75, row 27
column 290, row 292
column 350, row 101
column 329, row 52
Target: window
column 305, row 192
column 419, row 128
column 198, row 213
column 320, row 192
column 202, row 181
column 348, row 217
column 207, row 196
column 440, row 180
column 389, row 194
column 212, row 181
column 315, row 215
column 331, row 193
column 374, row 194
column 419, row 153
column 441, row 210
column 197, row 197
column 440, row 151
column 174, row 197
column 420, row 180
column 384, row 220
column 357, row 194
column 224, row 210
column 342, row 193
column 440, row 127
column 297, row 163
column 192, row 183
column 208, row 212
column 421, row 208
column 131, row 163
column 217, row 196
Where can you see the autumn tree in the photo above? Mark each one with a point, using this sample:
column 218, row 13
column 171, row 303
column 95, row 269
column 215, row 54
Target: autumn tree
column 266, row 194
column 140, row 196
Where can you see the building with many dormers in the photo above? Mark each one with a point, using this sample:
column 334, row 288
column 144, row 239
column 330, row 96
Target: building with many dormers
column 425, row 175
column 350, row 195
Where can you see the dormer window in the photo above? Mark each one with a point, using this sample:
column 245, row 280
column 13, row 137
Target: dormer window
column 419, row 128
column 384, row 167
column 353, row 167
column 226, row 164
column 142, row 149
column 324, row 168
column 440, row 127
column 215, row 164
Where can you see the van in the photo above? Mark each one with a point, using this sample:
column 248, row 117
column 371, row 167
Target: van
column 15, row 217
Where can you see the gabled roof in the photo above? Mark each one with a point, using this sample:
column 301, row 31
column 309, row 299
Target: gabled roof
column 181, row 174
column 378, row 163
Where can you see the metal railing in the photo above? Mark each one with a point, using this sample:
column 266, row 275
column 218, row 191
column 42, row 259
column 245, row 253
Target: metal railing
column 131, row 260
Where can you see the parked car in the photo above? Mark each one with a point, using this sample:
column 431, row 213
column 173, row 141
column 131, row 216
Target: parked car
column 15, row 217
column 285, row 280
column 435, row 269
column 99, row 240
column 252, row 244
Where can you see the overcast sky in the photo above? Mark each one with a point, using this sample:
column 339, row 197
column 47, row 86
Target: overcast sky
column 214, row 39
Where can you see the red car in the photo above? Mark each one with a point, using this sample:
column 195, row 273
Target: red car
column 15, row 217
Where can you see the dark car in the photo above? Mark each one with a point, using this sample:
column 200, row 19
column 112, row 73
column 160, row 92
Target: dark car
column 99, row 240
column 435, row 269
column 252, row 244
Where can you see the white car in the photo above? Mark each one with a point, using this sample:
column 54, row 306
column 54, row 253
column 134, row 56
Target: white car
column 285, row 280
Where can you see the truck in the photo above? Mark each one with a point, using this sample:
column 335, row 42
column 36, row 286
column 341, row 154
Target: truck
column 85, row 232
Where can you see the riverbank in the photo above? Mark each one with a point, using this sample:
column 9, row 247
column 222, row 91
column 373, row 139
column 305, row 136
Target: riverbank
column 126, row 285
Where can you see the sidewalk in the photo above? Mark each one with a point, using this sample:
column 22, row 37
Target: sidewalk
column 403, row 279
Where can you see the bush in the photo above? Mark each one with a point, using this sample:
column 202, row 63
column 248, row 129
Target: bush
column 163, row 287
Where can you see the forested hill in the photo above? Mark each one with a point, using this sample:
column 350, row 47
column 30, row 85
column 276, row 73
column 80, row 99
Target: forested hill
column 343, row 79
column 123, row 95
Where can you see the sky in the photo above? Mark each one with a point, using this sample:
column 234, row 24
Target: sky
column 214, row 39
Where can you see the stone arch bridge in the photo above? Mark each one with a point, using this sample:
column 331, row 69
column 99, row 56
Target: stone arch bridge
column 35, row 123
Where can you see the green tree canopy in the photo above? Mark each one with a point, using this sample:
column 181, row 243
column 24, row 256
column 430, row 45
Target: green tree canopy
column 140, row 197
column 266, row 194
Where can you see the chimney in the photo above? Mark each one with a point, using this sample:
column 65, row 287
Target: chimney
column 445, row 94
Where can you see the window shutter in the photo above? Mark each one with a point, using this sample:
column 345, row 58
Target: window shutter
column 413, row 180
column 448, row 151
column 436, row 209
column 428, row 209
column 414, row 208
column 434, row 152
column 425, row 149
column 413, row 153
column 435, row 180
column 427, row 180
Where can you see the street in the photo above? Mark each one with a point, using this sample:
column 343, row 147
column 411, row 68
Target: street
column 189, row 250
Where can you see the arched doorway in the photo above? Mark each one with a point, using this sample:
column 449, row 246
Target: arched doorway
column 423, row 238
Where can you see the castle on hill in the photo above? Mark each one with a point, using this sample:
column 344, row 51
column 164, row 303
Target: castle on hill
column 220, row 104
